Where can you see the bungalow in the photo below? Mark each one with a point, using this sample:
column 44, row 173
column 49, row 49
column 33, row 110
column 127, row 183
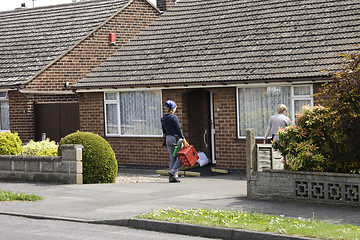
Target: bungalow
column 46, row 49
column 226, row 63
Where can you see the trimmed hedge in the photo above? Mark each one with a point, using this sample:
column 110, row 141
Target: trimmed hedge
column 99, row 161
column 41, row 148
column 10, row 143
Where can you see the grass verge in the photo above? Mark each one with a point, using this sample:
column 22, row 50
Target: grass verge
column 257, row 222
column 13, row 196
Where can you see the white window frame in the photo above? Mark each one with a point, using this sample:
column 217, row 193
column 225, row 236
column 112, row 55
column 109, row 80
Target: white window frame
column 118, row 111
column 5, row 99
column 293, row 99
column 300, row 97
column 117, row 102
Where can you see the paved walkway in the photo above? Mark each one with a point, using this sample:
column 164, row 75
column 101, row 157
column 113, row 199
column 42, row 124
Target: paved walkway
column 98, row 202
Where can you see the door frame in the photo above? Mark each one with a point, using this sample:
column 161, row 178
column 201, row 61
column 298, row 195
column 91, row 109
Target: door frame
column 212, row 128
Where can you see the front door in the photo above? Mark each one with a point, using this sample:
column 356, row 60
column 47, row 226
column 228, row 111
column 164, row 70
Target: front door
column 199, row 117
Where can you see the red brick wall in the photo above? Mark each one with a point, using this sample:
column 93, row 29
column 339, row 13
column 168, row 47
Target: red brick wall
column 21, row 117
column 21, row 111
column 128, row 150
column 91, row 107
column 230, row 151
column 77, row 63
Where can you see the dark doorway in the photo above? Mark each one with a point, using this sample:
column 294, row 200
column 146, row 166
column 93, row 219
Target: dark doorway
column 56, row 120
column 199, row 120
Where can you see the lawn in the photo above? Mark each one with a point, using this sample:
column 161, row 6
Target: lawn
column 13, row 196
column 257, row 222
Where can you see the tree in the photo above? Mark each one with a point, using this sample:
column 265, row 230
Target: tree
column 342, row 97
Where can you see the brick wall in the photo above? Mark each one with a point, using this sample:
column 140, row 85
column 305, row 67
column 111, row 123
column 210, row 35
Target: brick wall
column 230, row 151
column 78, row 62
column 21, row 111
column 21, row 117
column 128, row 150
column 91, row 107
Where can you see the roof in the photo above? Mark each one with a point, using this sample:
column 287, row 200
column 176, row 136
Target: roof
column 207, row 41
column 31, row 38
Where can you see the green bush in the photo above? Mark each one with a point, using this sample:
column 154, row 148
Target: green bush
column 99, row 161
column 42, row 148
column 326, row 138
column 342, row 97
column 10, row 143
column 306, row 144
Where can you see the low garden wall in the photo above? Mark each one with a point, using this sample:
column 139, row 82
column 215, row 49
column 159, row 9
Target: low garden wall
column 266, row 180
column 64, row 169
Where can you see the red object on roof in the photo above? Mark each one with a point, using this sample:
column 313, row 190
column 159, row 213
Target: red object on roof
column 112, row 37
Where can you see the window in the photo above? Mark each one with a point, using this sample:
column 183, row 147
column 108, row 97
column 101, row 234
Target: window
column 133, row 113
column 257, row 104
column 4, row 112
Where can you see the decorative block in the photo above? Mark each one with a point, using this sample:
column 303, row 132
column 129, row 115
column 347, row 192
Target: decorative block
column 317, row 190
column 301, row 189
column 334, row 191
column 351, row 193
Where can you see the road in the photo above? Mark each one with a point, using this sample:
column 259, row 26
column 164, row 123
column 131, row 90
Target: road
column 16, row 228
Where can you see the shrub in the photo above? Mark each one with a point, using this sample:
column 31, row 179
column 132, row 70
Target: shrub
column 99, row 162
column 325, row 138
column 10, row 143
column 342, row 97
column 306, row 144
column 42, row 148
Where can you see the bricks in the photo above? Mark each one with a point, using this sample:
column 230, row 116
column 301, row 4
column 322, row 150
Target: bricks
column 230, row 151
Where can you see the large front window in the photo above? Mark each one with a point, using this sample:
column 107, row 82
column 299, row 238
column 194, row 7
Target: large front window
column 133, row 113
column 257, row 104
column 4, row 112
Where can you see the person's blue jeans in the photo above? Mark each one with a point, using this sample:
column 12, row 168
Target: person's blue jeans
column 175, row 163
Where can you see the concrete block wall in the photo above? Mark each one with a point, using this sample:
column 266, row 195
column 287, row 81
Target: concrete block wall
column 321, row 187
column 267, row 183
column 64, row 169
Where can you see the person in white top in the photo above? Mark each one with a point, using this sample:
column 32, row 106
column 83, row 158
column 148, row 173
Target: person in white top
column 275, row 122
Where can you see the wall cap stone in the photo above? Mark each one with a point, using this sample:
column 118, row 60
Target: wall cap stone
column 329, row 174
column 71, row 146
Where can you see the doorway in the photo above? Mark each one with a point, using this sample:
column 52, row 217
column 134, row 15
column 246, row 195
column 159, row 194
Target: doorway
column 200, row 122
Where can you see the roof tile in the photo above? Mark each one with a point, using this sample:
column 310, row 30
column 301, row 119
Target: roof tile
column 32, row 38
column 233, row 41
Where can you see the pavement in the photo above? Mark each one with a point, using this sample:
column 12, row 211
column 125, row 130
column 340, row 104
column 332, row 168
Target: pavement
column 119, row 203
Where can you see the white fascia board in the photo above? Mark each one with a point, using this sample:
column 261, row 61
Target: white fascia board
column 199, row 86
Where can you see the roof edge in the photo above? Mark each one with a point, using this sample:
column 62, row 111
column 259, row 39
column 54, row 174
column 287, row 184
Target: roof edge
column 205, row 85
